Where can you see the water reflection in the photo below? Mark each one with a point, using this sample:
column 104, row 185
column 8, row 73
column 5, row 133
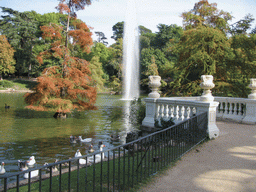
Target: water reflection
column 24, row 133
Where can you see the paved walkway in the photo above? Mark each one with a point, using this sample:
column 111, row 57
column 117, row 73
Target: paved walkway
column 226, row 164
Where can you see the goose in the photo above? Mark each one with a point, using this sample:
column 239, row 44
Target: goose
column 32, row 174
column 86, row 140
column 78, row 154
column 2, row 169
column 31, row 161
column 98, row 156
column 91, row 150
column 22, row 165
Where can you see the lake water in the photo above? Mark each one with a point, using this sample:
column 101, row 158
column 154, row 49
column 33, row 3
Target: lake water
column 24, row 133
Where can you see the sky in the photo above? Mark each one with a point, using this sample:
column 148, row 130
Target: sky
column 102, row 15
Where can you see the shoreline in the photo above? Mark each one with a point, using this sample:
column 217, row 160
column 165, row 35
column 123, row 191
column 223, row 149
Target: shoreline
column 10, row 90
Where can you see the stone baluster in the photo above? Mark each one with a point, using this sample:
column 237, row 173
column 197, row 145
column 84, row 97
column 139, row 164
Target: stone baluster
column 182, row 113
column 166, row 110
column 171, row 111
column 177, row 113
column 188, row 111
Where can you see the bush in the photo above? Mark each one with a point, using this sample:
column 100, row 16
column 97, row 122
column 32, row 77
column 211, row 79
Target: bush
column 6, row 84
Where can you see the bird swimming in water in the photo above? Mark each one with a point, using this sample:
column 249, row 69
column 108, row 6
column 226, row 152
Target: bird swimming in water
column 6, row 106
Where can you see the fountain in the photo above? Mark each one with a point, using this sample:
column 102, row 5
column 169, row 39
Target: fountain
column 131, row 54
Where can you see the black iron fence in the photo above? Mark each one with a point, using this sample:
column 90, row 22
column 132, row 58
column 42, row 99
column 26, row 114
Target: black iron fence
column 117, row 169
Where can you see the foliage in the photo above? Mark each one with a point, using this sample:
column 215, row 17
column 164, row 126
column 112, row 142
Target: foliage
column 118, row 30
column 166, row 33
column 206, row 14
column 137, row 112
column 101, row 37
column 241, row 26
column 97, row 73
column 6, row 84
column 68, row 84
column 21, row 29
column 7, row 61
column 163, row 123
column 201, row 51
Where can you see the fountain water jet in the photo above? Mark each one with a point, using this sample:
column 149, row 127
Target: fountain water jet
column 131, row 54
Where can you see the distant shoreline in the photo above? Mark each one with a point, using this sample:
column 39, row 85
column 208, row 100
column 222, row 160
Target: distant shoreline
column 10, row 90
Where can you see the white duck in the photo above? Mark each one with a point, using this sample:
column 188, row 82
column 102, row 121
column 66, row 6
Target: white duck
column 78, row 154
column 32, row 174
column 31, row 161
column 86, row 140
column 98, row 156
column 2, row 169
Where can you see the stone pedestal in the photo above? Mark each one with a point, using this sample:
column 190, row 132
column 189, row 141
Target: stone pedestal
column 207, row 84
column 154, row 84
column 253, row 88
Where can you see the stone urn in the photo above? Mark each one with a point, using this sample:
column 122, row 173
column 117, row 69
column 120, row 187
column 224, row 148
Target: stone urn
column 154, row 84
column 207, row 84
column 252, row 86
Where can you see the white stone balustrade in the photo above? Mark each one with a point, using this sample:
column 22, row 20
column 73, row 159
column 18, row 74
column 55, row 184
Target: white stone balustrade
column 180, row 109
column 242, row 110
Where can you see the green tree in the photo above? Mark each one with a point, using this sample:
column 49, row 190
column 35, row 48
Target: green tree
column 21, row 30
column 166, row 33
column 242, row 26
column 206, row 14
column 101, row 37
column 7, row 62
column 201, row 51
column 118, row 30
column 97, row 73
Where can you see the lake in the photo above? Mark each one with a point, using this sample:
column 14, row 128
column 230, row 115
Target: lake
column 24, row 133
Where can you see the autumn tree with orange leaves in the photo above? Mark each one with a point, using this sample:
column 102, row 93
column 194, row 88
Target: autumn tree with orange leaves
column 67, row 85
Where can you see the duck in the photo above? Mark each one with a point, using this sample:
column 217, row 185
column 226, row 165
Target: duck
column 31, row 161
column 6, row 106
column 114, row 137
column 78, row 154
column 32, row 174
column 86, row 140
column 98, row 157
column 54, row 168
column 2, row 169
column 72, row 139
column 91, row 150
column 22, row 165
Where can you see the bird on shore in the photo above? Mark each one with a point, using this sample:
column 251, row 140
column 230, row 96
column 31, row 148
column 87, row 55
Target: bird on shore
column 2, row 169
column 32, row 174
column 31, row 161
column 54, row 168
column 98, row 157
column 78, row 154
column 91, row 150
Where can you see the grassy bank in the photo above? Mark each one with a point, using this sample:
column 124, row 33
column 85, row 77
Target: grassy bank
column 17, row 84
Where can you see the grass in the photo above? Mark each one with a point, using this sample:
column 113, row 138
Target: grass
column 17, row 84
column 128, row 172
